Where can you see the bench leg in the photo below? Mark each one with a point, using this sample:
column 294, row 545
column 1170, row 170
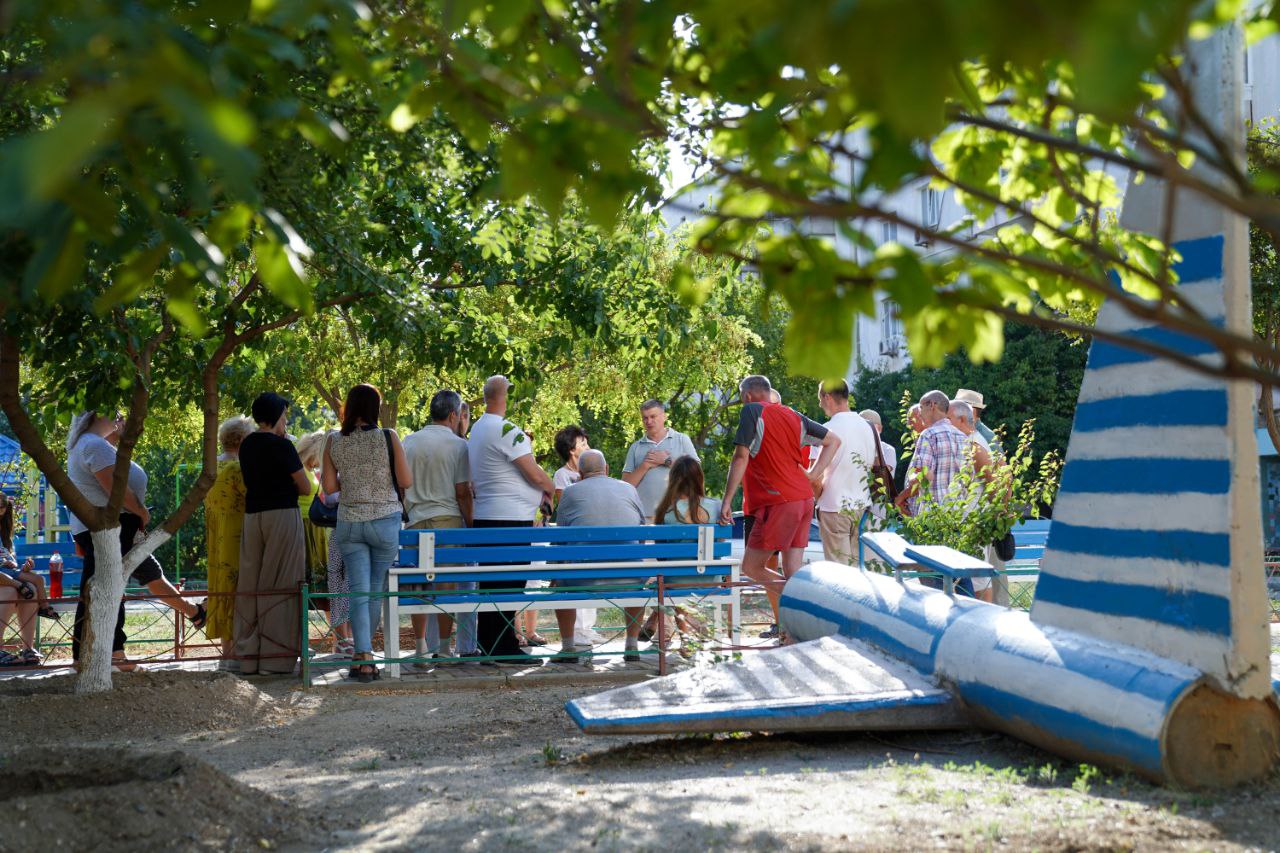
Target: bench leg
column 735, row 611
column 391, row 628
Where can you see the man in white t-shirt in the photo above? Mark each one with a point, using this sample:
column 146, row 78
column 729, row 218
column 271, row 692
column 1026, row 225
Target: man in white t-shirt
column 845, row 494
column 509, row 488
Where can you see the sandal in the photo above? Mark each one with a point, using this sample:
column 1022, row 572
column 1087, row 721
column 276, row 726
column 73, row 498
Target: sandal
column 534, row 639
column 345, row 648
column 49, row 613
column 202, row 616
column 121, row 663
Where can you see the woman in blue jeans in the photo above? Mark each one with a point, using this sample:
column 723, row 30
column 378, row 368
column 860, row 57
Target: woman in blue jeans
column 367, row 465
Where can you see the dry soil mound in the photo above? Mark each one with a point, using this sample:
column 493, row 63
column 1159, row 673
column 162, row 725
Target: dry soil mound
column 120, row 799
column 143, row 705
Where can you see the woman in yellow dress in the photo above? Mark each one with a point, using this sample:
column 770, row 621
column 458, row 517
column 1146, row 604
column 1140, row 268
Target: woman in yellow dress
column 311, row 452
column 223, row 523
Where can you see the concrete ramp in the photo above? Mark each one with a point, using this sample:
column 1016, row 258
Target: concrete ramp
column 832, row 684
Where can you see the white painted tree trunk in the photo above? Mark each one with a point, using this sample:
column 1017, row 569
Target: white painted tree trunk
column 107, row 588
column 144, row 549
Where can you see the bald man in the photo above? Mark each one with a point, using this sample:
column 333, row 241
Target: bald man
column 597, row 500
column 509, row 487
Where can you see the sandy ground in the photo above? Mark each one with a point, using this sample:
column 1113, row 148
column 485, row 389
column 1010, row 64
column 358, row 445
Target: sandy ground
column 279, row 768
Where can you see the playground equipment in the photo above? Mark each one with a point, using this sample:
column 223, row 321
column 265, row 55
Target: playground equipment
column 1147, row 646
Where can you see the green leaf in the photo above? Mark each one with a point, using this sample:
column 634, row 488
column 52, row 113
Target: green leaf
column 281, row 271
column 132, row 277
column 57, row 155
column 67, row 268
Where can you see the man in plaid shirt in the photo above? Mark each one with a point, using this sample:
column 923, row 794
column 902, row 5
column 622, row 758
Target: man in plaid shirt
column 938, row 457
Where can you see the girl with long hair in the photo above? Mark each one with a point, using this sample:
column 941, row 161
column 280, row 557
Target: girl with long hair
column 685, row 500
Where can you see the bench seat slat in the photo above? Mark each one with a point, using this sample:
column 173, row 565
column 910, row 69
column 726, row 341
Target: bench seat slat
column 541, row 597
column 890, row 547
column 950, row 562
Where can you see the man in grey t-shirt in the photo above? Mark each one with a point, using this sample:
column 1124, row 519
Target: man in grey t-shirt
column 596, row 500
column 650, row 458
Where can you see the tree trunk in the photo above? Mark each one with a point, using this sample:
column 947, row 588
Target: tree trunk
column 102, row 599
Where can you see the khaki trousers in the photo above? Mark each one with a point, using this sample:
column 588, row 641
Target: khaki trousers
column 839, row 534
column 273, row 556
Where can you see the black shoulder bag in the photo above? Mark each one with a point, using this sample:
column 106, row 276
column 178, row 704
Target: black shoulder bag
column 395, row 481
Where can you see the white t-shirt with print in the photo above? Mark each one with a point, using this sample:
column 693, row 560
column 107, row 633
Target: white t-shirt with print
column 502, row 492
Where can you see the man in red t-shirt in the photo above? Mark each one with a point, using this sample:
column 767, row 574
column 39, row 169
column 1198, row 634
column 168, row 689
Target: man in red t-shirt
column 770, row 453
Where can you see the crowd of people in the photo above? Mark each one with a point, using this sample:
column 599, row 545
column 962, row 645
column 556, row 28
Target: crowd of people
column 267, row 530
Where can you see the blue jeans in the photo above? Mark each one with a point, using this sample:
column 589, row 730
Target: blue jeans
column 465, row 622
column 368, row 549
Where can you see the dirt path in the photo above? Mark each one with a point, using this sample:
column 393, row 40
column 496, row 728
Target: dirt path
column 484, row 769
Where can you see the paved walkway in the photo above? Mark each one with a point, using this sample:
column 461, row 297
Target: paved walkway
column 328, row 671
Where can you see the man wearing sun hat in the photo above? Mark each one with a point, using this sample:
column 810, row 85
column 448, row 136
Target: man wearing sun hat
column 974, row 399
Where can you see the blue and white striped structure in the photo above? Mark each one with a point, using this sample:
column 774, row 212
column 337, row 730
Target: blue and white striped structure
column 1147, row 646
column 1141, row 549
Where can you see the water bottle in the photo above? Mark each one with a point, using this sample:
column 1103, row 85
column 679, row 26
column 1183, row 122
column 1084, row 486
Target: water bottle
column 55, row 575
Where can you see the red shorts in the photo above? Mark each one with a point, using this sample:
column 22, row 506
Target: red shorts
column 781, row 526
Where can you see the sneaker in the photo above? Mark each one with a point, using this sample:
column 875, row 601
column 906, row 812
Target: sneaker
column 631, row 656
column 30, row 657
column 445, row 659
column 771, row 634
column 471, row 657
column 9, row 659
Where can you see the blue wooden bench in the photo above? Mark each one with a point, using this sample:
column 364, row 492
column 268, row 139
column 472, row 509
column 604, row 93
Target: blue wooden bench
column 901, row 556
column 1029, row 539
column 695, row 558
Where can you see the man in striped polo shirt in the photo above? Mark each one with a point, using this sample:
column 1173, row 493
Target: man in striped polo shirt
column 771, row 456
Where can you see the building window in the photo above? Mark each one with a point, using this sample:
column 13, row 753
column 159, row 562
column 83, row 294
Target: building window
column 888, row 232
column 891, row 338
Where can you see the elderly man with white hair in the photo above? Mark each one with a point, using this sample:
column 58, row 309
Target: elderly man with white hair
column 597, row 500
column 509, row 488
column 979, row 405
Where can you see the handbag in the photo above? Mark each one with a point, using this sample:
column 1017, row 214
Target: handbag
column 882, row 477
column 1005, row 547
column 395, row 481
column 321, row 514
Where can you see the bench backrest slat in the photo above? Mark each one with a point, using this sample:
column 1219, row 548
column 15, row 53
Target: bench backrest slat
column 506, row 554
column 471, row 536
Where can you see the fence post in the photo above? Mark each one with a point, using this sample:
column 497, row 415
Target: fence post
column 306, row 636
column 177, row 632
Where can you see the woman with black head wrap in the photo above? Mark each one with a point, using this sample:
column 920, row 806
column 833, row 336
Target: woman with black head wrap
column 272, row 548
